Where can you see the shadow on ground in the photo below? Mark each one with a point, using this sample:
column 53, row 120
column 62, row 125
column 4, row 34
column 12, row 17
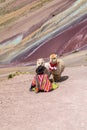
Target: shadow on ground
column 63, row 78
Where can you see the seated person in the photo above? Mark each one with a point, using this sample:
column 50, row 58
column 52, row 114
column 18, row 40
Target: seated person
column 41, row 81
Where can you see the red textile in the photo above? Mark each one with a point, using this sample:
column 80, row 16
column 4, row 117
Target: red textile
column 44, row 83
column 53, row 66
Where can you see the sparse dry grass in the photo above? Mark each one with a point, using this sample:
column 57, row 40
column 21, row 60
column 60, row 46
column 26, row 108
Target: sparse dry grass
column 1, row 1
column 20, row 12
column 11, row 75
column 17, row 70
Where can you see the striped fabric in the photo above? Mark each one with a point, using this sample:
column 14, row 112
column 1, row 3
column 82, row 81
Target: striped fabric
column 44, row 83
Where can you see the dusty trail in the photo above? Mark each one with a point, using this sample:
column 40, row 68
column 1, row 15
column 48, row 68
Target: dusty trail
column 62, row 109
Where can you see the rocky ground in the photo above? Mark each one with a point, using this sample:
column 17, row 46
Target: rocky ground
column 62, row 109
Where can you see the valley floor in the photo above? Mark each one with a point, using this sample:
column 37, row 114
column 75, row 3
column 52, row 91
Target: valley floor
column 62, row 109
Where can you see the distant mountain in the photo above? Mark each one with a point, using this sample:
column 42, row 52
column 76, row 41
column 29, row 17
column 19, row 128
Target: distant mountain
column 30, row 29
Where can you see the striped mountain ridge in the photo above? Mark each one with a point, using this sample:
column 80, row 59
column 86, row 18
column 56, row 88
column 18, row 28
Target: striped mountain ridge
column 32, row 26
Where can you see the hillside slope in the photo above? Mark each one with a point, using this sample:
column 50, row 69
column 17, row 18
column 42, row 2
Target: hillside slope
column 31, row 27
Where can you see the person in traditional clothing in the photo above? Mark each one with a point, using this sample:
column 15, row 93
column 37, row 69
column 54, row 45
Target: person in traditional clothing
column 41, row 81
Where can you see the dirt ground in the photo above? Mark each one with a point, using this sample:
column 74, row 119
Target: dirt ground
column 62, row 109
